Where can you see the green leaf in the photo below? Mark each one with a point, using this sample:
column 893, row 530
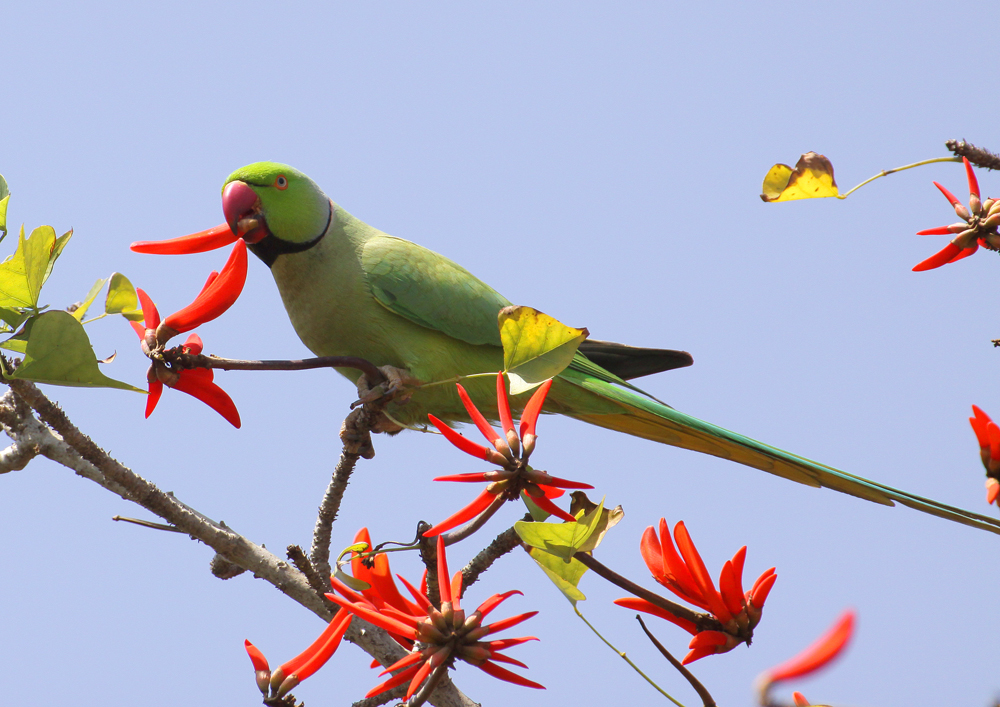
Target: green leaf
column 561, row 539
column 81, row 309
column 17, row 343
column 565, row 575
column 23, row 273
column 122, row 298
column 536, row 347
column 58, row 351
column 537, row 514
column 13, row 317
column 352, row 582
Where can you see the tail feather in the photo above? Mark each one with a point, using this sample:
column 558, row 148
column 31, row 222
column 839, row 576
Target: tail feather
column 654, row 421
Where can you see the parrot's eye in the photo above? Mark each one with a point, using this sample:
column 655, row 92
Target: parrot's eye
column 281, row 182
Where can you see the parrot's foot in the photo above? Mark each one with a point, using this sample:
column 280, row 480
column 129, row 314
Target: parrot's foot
column 397, row 387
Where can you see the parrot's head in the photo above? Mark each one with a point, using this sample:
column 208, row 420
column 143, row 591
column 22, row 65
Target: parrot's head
column 273, row 207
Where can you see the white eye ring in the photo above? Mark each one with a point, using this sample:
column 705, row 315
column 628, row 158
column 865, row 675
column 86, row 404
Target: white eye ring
column 281, row 182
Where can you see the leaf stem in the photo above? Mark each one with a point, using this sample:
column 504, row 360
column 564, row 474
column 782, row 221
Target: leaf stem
column 898, row 169
column 706, row 698
column 625, row 657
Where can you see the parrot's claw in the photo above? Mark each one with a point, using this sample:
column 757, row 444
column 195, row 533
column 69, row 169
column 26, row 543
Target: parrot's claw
column 397, row 387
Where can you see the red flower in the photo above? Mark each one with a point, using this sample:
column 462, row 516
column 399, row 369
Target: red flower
column 988, row 436
column 819, row 654
column 442, row 634
column 685, row 574
column 284, row 679
column 512, row 454
column 977, row 228
column 197, row 382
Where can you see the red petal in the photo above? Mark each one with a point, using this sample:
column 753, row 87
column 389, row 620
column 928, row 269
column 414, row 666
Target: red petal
column 139, row 329
column 992, row 490
column 800, row 700
column 460, row 441
column 648, row 607
column 338, row 624
column 759, row 593
column 965, row 253
column 422, row 600
column 323, row 652
column 397, row 679
column 738, row 559
column 700, row 573
column 698, row 654
column 464, row 478
column 980, row 415
column 821, row 652
column 504, row 674
column 982, row 436
column 456, row 591
column 155, row 391
column 380, row 577
column 477, row 417
column 392, row 625
column 942, row 231
column 444, row 586
column 505, row 643
column 195, row 243
column 406, row 660
column 973, row 182
column 565, row 483
column 501, row 658
column 948, row 195
column 649, row 548
column 994, row 433
column 677, row 570
column 940, row 258
column 194, row 344
column 729, row 587
column 504, row 624
column 552, row 509
column 709, row 638
column 494, row 601
column 256, row 657
column 506, row 421
column 149, row 314
column 217, row 297
column 478, row 505
column 418, row 678
column 209, row 393
column 529, row 417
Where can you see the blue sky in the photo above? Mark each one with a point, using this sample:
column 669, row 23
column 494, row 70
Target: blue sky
column 601, row 163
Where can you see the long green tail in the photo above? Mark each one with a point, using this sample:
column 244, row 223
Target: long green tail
column 652, row 420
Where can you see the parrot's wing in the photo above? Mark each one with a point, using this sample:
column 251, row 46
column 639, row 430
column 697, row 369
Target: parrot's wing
column 432, row 291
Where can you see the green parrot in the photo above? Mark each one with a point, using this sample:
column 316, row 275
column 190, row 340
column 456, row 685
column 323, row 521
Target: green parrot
column 352, row 290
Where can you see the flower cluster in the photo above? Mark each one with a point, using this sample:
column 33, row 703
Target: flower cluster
column 684, row 573
column 219, row 293
column 988, row 436
column 439, row 635
column 977, row 228
column 510, row 452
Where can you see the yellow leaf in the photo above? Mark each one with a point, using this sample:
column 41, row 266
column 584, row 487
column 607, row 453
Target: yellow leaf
column 536, row 347
column 812, row 178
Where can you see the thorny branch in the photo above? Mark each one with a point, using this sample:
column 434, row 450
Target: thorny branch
column 60, row 440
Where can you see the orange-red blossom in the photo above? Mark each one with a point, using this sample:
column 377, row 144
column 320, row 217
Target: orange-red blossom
column 988, row 436
column 817, row 655
column 219, row 293
column 978, row 226
column 684, row 573
column 441, row 635
column 510, row 452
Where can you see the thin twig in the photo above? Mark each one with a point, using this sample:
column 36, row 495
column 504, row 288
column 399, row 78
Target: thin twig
column 501, row 545
column 148, row 524
column 176, row 358
column 704, row 622
column 328, row 509
column 303, row 565
column 421, row 695
column 706, row 698
column 428, row 554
